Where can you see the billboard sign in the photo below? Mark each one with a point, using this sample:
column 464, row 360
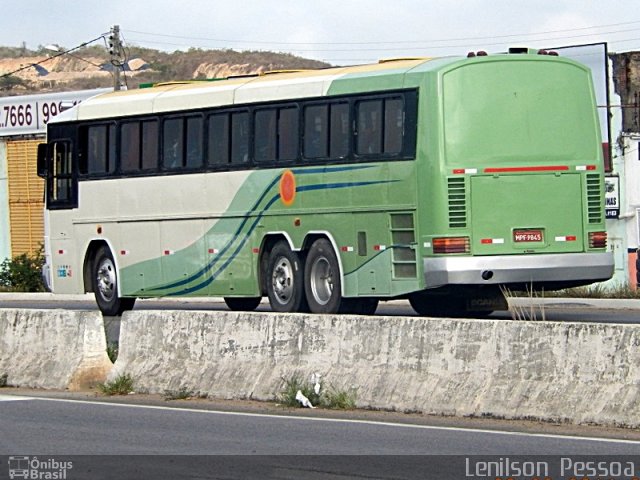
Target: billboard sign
column 29, row 114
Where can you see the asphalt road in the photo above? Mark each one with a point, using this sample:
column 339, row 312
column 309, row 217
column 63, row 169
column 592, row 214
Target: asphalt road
column 331, row 447
column 552, row 309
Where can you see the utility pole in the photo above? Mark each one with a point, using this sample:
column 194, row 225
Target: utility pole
column 115, row 50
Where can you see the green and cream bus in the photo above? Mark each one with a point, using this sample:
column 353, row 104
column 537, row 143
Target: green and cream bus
column 441, row 181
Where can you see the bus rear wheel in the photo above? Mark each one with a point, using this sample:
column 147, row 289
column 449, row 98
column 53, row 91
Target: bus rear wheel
column 322, row 283
column 238, row 304
column 285, row 280
column 105, row 285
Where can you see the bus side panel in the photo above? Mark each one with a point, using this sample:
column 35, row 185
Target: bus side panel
column 66, row 256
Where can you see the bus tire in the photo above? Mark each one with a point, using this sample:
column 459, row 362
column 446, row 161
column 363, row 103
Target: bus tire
column 242, row 304
column 285, row 279
column 322, row 282
column 105, row 285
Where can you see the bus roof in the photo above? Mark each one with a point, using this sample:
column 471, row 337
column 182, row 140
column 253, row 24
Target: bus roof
column 291, row 85
column 168, row 97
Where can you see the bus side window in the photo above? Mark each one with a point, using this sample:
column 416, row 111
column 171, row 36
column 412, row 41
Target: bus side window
column 340, row 130
column 149, row 145
column 393, row 125
column 97, row 149
column 369, row 127
column 172, row 143
column 316, row 120
column 130, row 146
column 264, row 137
column 239, row 137
column 218, row 139
column 194, row 142
column 288, row 133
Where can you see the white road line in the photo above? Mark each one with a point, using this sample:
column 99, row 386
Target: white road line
column 339, row 420
column 13, row 398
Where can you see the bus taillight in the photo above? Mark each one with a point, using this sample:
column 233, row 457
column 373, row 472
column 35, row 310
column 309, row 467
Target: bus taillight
column 451, row 245
column 597, row 239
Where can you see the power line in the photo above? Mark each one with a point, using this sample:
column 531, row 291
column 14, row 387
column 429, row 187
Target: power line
column 425, row 45
column 52, row 57
column 397, row 42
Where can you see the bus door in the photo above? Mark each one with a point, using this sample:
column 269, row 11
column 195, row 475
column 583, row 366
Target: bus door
column 55, row 163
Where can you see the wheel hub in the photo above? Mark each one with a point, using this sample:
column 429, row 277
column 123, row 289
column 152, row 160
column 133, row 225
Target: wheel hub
column 106, row 279
column 282, row 281
column 321, row 280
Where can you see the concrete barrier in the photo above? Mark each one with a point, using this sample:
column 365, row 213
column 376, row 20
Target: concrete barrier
column 53, row 348
column 571, row 372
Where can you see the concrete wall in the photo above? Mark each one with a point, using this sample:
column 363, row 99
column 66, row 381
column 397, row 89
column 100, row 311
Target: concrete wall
column 575, row 372
column 53, row 348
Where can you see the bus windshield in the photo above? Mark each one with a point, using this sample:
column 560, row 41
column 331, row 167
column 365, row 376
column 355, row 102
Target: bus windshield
column 505, row 113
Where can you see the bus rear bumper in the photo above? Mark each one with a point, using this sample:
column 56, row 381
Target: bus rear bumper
column 518, row 269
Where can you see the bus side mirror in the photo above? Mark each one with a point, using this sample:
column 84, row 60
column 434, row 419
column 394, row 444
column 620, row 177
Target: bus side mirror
column 42, row 159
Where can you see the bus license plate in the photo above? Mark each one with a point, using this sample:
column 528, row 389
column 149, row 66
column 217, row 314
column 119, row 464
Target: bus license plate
column 527, row 236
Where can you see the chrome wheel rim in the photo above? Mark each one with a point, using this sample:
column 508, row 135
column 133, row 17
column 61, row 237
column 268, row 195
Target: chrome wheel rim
column 321, row 280
column 282, row 281
column 106, row 276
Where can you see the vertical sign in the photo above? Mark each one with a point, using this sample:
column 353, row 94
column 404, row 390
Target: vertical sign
column 612, row 196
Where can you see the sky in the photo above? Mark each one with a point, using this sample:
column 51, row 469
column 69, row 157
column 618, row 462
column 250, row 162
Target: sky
column 339, row 32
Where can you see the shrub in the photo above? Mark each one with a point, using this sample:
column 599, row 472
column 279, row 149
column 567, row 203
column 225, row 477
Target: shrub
column 326, row 397
column 123, row 385
column 22, row 273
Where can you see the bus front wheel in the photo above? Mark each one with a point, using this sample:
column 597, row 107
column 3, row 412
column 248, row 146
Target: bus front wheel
column 105, row 285
column 322, row 282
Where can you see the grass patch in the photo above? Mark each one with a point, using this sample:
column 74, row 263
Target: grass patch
column 292, row 386
column 598, row 290
column 122, row 385
column 112, row 351
column 182, row 394
column 535, row 310
column 330, row 397
column 532, row 312
column 339, row 399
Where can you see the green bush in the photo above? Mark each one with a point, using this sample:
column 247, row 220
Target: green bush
column 123, row 385
column 22, row 273
column 328, row 397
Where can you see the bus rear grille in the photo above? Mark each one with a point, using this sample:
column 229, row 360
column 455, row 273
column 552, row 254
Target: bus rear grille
column 457, row 197
column 594, row 198
column 403, row 236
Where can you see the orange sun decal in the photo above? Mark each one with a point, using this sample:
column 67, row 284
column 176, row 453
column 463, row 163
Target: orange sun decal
column 287, row 188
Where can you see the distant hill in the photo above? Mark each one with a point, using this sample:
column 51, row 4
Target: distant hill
column 90, row 67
